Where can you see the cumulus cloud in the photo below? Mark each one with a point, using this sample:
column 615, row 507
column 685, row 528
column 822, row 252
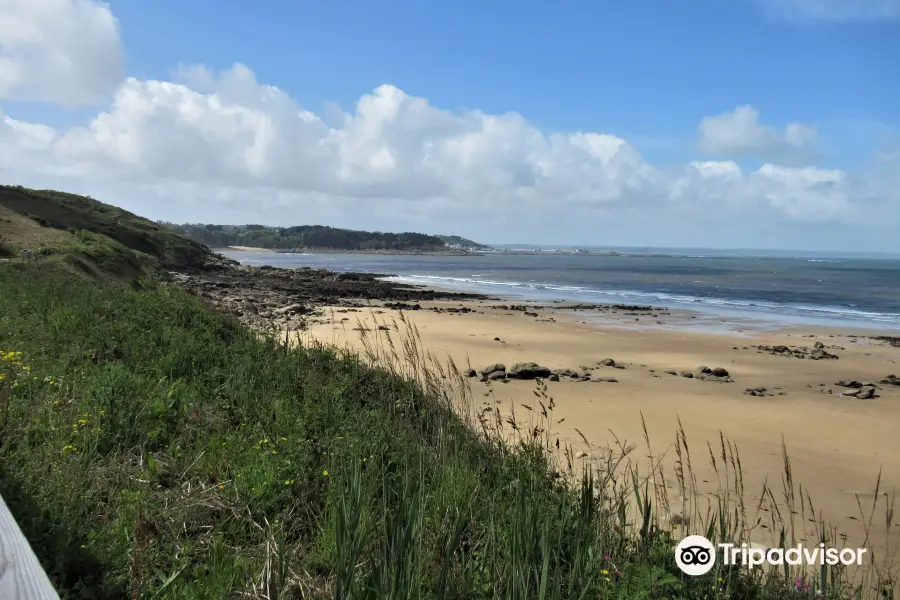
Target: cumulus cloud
column 739, row 133
column 220, row 146
column 62, row 51
column 394, row 145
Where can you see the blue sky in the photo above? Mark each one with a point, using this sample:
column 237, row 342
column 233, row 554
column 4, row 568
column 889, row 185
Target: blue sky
column 648, row 72
column 649, row 68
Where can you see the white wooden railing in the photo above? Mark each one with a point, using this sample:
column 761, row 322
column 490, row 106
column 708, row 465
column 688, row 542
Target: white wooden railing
column 21, row 574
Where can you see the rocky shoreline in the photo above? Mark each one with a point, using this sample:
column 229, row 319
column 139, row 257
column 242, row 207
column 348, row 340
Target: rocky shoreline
column 265, row 297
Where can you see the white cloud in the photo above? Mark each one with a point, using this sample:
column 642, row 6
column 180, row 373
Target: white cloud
column 739, row 133
column 62, row 51
column 235, row 149
column 833, row 10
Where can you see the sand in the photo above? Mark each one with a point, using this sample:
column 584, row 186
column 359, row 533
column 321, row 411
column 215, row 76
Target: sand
column 836, row 445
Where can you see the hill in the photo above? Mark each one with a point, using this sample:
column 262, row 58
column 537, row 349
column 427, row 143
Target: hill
column 461, row 242
column 311, row 236
column 102, row 236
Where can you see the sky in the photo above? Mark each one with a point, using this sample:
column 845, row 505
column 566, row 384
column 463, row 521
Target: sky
column 771, row 124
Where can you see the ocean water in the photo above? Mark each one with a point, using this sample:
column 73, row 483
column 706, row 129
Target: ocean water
column 813, row 289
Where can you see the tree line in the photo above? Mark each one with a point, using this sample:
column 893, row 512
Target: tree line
column 305, row 236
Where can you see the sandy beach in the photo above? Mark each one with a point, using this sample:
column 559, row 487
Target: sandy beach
column 837, row 445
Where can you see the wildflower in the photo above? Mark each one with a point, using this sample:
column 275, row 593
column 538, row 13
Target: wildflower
column 2, row 376
column 325, row 473
column 288, row 482
column 607, row 558
column 604, row 572
column 283, row 439
column 68, row 448
column 221, row 486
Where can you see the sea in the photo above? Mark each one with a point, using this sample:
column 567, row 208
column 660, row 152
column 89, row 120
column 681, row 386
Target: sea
column 776, row 288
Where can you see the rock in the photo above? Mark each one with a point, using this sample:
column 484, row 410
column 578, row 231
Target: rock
column 553, row 377
column 606, row 380
column 852, row 392
column 865, row 393
column 620, row 366
column 891, row 380
column 290, row 309
column 819, row 345
column 849, row 383
column 493, row 368
column 528, row 370
column 702, row 369
column 496, row 339
column 671, row 372
column 720, row 372
column 607, row 362
column 471, row 373
column 750, row 392
column 687, row 374
column 495, row 375
column 676, row 519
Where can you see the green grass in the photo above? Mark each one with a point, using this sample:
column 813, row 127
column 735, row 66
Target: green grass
column 150, row 448
column 73, row 213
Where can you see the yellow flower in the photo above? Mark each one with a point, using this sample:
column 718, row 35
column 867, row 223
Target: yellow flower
column 288, row 481
column 2, row 376
column 69, row 448
column 325, row 473
column 221, row 486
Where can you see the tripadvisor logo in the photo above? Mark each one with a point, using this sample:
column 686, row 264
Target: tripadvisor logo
column 695, row 555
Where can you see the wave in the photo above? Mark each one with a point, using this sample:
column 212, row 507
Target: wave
column 585, row 294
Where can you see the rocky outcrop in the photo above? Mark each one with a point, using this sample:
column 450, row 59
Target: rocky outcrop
column 528, row 370
column 817, row 352
column 863, row 390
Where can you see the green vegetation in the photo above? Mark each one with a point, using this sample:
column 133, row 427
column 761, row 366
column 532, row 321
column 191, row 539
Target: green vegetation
column 154, row 449
column 455, row 240
column 67, row 223
column 307, row 236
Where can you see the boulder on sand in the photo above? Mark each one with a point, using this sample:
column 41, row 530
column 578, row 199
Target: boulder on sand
column 528, row 370
column 493, row 368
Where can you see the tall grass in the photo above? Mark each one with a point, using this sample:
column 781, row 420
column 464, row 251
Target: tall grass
column 155, row 449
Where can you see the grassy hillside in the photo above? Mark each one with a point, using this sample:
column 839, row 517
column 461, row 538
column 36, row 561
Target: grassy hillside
column 154, row 449
column 68, row 223
column 307, row 236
